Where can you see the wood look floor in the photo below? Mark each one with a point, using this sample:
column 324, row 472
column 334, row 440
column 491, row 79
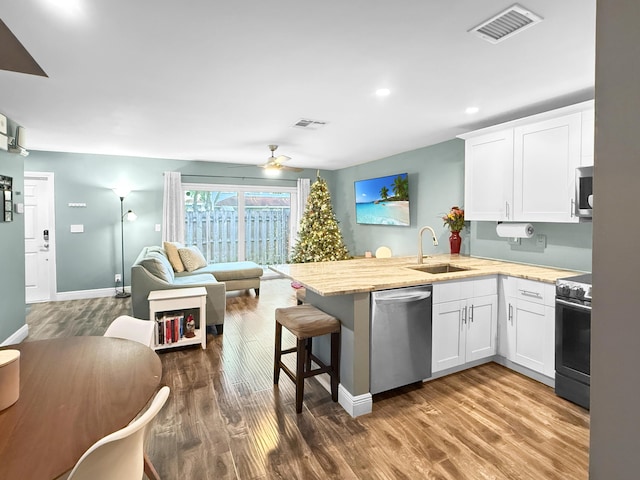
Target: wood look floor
column 225, row 420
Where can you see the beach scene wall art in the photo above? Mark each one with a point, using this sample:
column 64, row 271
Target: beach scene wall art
column 383, row 200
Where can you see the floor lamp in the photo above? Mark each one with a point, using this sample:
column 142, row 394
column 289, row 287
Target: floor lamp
column 120, row 192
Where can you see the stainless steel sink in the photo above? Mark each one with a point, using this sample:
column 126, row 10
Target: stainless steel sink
column 439, row 268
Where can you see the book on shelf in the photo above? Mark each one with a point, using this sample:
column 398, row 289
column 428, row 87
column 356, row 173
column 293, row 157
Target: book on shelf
column 169, row 328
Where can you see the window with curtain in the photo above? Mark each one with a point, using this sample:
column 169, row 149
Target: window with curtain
column 231, row 223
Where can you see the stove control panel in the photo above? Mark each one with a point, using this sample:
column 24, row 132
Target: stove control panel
column 569, row 289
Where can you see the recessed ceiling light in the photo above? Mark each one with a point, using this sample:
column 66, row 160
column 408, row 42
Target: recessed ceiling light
column 69, row 7
column 383, row 92
column 471, row 110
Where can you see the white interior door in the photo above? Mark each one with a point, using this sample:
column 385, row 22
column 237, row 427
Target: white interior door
column 39, row 233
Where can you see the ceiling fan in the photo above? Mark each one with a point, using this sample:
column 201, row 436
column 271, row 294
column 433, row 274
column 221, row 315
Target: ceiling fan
column 276, row 163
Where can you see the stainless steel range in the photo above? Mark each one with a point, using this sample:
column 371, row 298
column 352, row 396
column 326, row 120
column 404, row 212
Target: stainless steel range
column 573, row 338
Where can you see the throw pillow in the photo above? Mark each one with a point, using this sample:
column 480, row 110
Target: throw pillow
column 158, row 265
column 192, row 258
column 172, row 254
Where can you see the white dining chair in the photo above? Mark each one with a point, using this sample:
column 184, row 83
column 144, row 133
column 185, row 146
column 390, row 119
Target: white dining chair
column 130, row 328
column 119, row 455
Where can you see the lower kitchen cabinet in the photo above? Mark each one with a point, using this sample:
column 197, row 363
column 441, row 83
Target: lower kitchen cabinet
column 527, row 324
column 464, row 330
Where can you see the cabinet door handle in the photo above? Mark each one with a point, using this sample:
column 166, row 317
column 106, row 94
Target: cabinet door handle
column 511, row 314
column 464, row 314
column 471, row 314
column 572, row 207
column 506, row 209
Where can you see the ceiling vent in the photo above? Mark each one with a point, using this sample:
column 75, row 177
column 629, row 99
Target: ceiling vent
column 513, row 20
column 308, row 124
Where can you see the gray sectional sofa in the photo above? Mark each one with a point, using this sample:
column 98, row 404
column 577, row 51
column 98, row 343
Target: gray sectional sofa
column 153, row 271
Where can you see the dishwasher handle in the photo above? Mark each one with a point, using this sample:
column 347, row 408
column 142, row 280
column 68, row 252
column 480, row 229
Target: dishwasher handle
column 403, row 298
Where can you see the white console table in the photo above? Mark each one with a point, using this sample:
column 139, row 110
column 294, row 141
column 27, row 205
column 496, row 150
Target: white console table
column 177, row 300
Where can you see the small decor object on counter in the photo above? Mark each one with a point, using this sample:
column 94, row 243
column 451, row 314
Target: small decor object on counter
column 455, row 221
column 455, row 241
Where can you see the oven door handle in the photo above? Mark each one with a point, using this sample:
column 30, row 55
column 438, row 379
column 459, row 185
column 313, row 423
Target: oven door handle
column 577, row 306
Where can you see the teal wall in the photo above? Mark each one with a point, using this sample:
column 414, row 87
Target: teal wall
column 436, row 182
column 568, row 245
column 89, row 260
column 12, row 297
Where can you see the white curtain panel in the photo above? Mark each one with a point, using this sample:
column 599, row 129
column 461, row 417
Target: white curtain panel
column 304, row 186
column 173, row 208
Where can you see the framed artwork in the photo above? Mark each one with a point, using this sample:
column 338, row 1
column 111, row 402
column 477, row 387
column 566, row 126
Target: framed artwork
column 6, row 200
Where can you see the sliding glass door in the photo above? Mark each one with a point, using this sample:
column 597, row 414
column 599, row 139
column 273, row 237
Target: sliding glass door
column 234, row 223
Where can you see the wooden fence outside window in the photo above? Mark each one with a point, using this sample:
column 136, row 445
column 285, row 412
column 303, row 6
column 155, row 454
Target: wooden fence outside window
column 215, row 233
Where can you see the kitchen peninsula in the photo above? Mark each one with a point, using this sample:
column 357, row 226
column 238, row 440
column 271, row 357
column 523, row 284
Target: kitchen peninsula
column 342, row 289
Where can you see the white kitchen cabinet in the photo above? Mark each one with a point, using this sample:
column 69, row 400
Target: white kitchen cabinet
column 546, row 155
column 588, row 137
column 464, row 329
column 488, row 176
column 524, row 170
column 448, row 335
column 527, row 324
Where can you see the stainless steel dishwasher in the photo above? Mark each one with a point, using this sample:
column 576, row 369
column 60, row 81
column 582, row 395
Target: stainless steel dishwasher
column 400, row 337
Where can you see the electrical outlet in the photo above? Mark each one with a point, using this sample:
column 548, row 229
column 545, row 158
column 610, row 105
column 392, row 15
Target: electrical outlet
column 118, row 278
column 541, row 241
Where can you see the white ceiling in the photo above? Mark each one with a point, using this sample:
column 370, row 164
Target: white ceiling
column 220, row 80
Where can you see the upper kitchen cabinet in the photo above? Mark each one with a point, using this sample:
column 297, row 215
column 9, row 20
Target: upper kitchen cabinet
column 546, row 155
column 524, row 170
column 588, row 137
column 488, row 176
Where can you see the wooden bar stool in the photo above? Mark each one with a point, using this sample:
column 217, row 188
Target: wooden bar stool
column 305, row 322
column 301, row 295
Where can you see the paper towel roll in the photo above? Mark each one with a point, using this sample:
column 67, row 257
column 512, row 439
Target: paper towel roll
column 515, row 230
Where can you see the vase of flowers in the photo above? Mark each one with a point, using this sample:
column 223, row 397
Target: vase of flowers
column 455, row 221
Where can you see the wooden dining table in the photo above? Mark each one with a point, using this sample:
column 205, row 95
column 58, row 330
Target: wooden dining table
column 73, row 392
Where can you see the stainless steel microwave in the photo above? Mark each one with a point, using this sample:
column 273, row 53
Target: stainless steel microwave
column 583, row 202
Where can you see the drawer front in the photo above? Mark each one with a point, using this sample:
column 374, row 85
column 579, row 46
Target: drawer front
column 461, row 289
column 449, row 291
column 485, row 286
column 532, row 291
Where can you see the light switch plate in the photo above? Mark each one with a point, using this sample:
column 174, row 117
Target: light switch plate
column 541, row 241
column 157, row 227
column 77, row 228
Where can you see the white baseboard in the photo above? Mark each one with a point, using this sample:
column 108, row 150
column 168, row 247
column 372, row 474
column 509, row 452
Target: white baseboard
column 17, row 337
column 84, row 294
column 355, row 406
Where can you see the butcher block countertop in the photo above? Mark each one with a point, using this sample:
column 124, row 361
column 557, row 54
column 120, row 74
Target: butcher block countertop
column 369, row 274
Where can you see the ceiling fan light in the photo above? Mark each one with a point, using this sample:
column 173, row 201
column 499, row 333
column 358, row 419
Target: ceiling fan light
column 272, row 171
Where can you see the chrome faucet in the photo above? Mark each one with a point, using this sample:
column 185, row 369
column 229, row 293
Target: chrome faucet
column 433, row 235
